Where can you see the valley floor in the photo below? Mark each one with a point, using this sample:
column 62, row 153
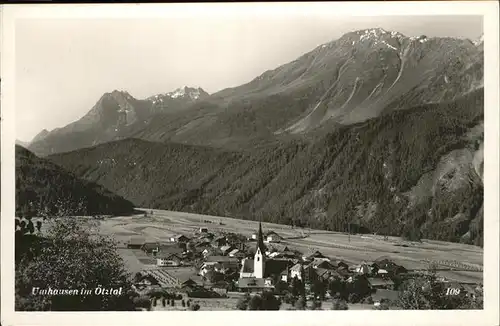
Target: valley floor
column 455, row 261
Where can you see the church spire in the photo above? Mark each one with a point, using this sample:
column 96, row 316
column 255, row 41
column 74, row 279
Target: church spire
column 260, row 240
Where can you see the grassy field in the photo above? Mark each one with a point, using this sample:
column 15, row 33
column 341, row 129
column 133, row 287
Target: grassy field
column 467, row 260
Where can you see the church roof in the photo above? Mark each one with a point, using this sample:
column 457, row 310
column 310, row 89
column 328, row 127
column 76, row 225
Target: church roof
column 248, row 266
column 260, row 240
column 271, row 266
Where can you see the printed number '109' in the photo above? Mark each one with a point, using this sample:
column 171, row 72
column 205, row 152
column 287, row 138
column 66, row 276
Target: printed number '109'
column 452, row 291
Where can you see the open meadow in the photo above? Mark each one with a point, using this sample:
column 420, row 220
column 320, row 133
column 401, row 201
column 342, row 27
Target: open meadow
column 455, row 261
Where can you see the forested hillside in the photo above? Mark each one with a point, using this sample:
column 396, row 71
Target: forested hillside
column 405, row 172
column 43, row 187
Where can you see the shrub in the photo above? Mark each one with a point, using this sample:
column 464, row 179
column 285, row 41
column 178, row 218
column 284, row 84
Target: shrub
column 339, row 304
column 183, row 303
column 195, row 307
column 300, row 304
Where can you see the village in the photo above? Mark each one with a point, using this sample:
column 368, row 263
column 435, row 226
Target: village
column 214, row 270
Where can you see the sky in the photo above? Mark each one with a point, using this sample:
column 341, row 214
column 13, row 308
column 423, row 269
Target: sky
column 64, row 66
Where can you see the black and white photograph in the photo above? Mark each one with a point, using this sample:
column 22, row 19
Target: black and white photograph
column 271, row 157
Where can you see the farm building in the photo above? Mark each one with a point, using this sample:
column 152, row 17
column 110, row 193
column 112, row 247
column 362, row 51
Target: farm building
column 296, row 271
column 151, row 247
column 179, row 238
column 380, row 283
column 135, row 243
column 211, row 252
column 315, row 254
column 219, row 241
column 363, row 269
column 226, row 261
column 169, row 260
column 321, row 263
column 272, row 236
column 203, row 230
column 233, row 252
column 226, row 249
column 327, row 274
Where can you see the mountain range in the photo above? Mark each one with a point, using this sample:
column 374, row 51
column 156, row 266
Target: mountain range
column 374, row 129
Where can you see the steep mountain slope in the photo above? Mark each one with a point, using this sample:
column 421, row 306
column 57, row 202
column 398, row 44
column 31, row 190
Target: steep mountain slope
column 419, row 169
column 360, row 76
column 39, row 181
column 112, row 117
column 357, row 77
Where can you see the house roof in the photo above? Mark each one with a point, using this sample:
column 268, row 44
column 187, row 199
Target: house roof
column 171, row 249
column 385, row 294
column 275, row 266
column 220, row 285
column 179, row 236
column 327, row 273
column 150, row 245
column 321, row 263
column 136, row 240
column 380, row 281
column 220, row 237
column 234, row 251
column 252, row 283
column 225, row 248
column 170, row 256
column 272, row 233
column 247, row 266
column 296, row 268
column 222, row 259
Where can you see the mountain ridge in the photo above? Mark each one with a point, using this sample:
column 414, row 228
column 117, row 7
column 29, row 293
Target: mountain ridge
column 379, row 176
column 356, row 77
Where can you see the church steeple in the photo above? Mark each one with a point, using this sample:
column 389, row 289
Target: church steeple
column 260, row 240
column 260, row 255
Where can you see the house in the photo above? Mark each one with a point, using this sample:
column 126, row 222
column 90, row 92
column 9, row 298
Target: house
column 214, row 267
column 273, row 237
column 146, row 281
column 203, row 230
column 168, row 248
column 253, row 236
column 189, row 284
column 221, row 287
column 324, row 274
column 340, row 264
column 321, row 263
column 380, row 283
column 255, row 284
column 315, row 254
column 169, row 260
column 233, row 252
column 226, row 261
column 389, row 266
column 180, row 238
column 212, row 252
column 151, row 247
column 226, row 249
column 296, row 271
column 363, row 269
column 219, row 241
column 135, row 243
column 384, row 296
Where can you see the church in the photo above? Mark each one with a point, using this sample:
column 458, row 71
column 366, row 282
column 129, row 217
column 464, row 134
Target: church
column 261, row 271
